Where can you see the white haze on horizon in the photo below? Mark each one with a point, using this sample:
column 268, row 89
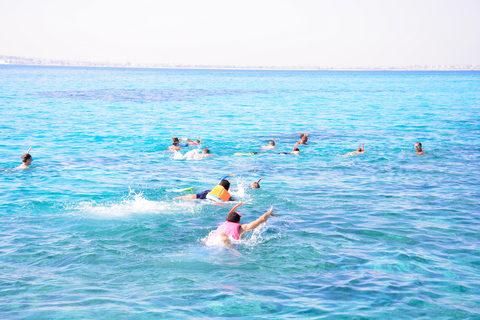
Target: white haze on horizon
column 343, row 33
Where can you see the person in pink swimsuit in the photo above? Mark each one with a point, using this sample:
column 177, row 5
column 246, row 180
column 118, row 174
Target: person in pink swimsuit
column 232, row 227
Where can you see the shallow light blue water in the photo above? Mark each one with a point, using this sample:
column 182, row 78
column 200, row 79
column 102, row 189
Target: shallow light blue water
column 92, row 230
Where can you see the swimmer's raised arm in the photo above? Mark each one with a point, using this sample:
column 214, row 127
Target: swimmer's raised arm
column 295, row 146
column 363, row 149
column 259, row 221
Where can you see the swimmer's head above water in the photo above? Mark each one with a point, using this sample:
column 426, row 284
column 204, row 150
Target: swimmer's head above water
column 255, row 185
column 27, row 159
column 418, row 148
column 234, row 216
column 225, row 183
column 205, row 151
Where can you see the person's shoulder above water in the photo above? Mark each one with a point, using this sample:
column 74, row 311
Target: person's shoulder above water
column 303, row 138
column 358, row 151
column 26, row 161
column 271, row 144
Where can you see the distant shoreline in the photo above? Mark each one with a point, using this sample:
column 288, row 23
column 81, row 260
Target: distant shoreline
column 22, row 61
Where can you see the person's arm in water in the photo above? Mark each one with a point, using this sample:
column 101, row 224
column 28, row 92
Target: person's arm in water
column 192, row 196
column 252, row 225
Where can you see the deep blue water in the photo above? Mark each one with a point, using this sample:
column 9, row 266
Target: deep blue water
column 91, row 231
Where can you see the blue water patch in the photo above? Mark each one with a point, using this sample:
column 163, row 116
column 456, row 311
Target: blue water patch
column 92, row 229
column 142, row 95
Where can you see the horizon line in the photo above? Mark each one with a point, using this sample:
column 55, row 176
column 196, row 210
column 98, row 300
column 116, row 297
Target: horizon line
column 25, row 61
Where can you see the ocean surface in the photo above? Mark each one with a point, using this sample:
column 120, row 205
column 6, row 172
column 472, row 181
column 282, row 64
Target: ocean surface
column 91, row 230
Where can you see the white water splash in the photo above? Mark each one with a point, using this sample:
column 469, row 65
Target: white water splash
column 134, row 204
column 190, row 155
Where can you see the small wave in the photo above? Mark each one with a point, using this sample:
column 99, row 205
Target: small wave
column 136, row 205
column 190, row 155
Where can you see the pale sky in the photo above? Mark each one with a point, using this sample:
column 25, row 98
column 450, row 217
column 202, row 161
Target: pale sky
column 337, row 33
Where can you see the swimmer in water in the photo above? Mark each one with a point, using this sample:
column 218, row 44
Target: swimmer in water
column 295, row 150
column 206, row 153
column 271, row 145
column 175, row 144
column 220, row 192
column 26, row 161
column 191, row 142
column 232, row 229
column 253, row 185
column 418, row 148
column 358, row 151
column 303, row 138
column 193, row 155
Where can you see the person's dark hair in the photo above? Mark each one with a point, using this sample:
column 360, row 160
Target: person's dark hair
column 296, row 149
column 174, row 139
column 255, row 185
column 233, row 217
column 225, row 183
column 197, row 141
column 26, row 157
column 359, row 149
column 205, row 151
column 271, row 143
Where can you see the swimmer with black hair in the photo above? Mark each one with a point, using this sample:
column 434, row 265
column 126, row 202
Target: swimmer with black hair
column 175, row 144
column 231, row 229
column 219, row 193
column 295, row 150
column 358, row 151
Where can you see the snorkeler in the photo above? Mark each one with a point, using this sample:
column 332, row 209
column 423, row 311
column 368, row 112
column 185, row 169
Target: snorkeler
column 358, row 151
column 253, row 185
column 206, row 153
column 271, row 144
column 175, row 144
column 232, row 229
column 418, row 148
column 294, row 151
column 26, row 161
column 191, row 142
column 303, row 138
column 219, row 193
column 193, row 154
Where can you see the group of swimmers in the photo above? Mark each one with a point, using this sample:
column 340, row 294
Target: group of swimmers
column 231, row 228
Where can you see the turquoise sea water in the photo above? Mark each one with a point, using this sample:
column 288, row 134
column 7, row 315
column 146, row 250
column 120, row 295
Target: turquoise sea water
column 91, row 231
